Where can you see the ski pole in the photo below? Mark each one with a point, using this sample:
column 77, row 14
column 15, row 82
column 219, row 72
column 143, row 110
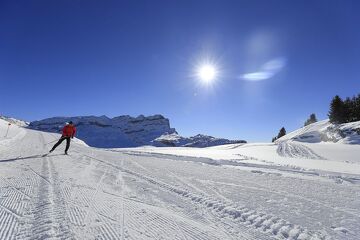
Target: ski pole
column 51, row 142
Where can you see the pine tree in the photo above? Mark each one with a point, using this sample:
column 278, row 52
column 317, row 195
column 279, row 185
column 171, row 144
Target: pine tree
column 349, row 109
column 352, row 107
column 357, row 108
column 337, row 113
column 312, row 119
column 282, row 132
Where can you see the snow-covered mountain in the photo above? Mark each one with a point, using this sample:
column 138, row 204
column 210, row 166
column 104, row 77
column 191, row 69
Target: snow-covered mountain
column 200, row 140
column 324, row 131
column 122, row 131
column 126, row 131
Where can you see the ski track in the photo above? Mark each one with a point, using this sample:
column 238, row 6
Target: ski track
column 151, row 220
column 296, row 150
column 242, row 215
column 47, row 218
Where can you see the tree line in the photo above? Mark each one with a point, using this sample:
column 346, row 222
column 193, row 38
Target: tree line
column 344, row 111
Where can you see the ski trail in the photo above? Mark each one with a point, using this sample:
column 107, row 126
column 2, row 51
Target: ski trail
column 177, row 227
column 91, row 203
column 47, row 218
column 296, row 150
column 14, row 188
column 121, row 181
column 122, row 203
column 210, row 220
column 10, row 211
column 241, row 215
column 8, row 225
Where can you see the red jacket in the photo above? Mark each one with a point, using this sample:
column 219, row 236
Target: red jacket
column 69, row 131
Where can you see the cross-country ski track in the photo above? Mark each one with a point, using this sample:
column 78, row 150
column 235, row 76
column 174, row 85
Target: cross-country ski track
column 100, row 194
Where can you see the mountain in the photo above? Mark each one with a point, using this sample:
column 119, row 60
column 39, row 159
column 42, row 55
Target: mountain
column 324, row 131
column 105, row 132
column 127, row 131
column 200, row 140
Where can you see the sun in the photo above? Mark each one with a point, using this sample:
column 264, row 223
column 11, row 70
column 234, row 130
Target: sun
column 207, row 73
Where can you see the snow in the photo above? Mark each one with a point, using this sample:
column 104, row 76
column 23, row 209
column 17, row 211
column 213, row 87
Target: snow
column 324, row 131
column 15, row 121
column 238, row 191
column 323, row 157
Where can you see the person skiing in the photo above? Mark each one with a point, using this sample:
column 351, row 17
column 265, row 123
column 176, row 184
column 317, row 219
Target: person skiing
column 68, row 132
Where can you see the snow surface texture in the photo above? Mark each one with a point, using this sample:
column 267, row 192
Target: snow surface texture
column 126, row 131
column 324, row 131
column 239, row 191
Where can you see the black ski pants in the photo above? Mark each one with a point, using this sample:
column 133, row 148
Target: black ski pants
column 60, row 141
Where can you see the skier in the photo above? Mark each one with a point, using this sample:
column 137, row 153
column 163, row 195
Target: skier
column 67, row 132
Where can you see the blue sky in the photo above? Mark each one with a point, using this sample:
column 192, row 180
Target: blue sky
column 277, row 61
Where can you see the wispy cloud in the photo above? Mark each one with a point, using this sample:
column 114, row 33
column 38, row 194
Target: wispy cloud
column 267, row 70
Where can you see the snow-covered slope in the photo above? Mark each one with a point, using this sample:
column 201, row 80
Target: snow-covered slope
column 324, row 131
column 15, row 121
column 126, row 131
column 10, row 132
column 229, row 192
column 200, row 140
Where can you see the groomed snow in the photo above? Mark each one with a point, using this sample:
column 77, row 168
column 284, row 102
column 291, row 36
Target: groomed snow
column 251, row 191
column 321, row 157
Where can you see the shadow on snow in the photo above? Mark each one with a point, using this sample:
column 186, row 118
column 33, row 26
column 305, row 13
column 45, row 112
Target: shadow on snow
column 28, row 157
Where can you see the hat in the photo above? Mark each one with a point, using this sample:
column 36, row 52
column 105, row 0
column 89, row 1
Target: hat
column 69, row 122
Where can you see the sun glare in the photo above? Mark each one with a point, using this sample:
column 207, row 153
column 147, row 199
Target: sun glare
column 207, row 73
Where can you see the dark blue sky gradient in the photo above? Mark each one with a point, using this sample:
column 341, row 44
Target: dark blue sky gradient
column 70, row 58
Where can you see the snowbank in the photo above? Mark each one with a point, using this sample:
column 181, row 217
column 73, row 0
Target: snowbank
column 324, row 131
